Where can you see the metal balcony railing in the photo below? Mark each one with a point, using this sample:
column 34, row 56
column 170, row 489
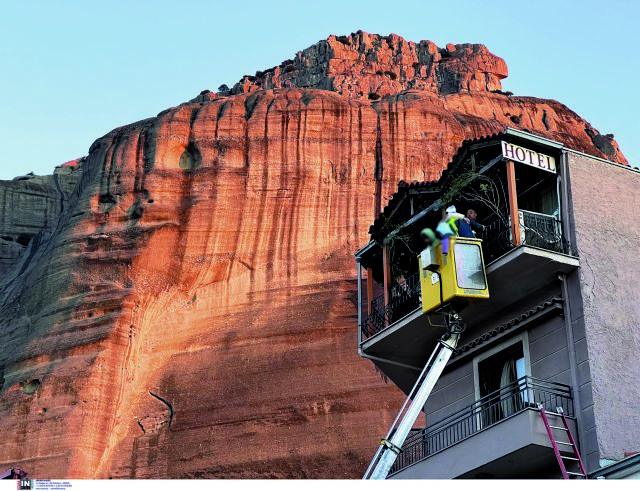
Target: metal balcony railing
column 536, row 230
column 496, row 241
column 526, row 392
column 404, row 298
column 544, row 231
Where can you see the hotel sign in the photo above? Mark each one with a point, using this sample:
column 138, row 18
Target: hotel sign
column 529, row 157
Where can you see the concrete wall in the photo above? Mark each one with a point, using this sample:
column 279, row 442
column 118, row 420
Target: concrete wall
column 453, row 391
column 548, row 351
column 581, row 374
column 548, row 358
column 605, row 200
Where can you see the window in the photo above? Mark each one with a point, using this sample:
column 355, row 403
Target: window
column 500, row 383
column 469, row 271
column 542, row 197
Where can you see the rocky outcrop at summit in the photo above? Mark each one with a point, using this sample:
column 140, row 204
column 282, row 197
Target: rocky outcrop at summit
column 370, row 66
column 192, row 311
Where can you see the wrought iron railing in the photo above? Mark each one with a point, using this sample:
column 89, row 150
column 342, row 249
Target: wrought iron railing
column 524, row 393
column 404, row 298
column 496, row 241
column 536, row 230
column 544, row 231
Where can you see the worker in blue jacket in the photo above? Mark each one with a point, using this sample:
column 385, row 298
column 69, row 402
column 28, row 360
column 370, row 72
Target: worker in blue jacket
column 468, row 226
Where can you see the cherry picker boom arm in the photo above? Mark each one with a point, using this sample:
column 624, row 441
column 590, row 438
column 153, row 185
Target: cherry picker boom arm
column 391, row 446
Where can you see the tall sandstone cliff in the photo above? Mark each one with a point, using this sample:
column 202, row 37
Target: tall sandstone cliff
column 190, row 309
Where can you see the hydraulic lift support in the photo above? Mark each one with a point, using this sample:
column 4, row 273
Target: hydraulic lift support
column 391, row 446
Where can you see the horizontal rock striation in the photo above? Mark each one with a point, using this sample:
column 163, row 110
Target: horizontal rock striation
column 192, row 313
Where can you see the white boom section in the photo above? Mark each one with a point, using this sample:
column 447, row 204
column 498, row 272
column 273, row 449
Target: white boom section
column 390, row 447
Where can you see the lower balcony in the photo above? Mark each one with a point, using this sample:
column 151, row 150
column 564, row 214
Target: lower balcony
column 500, row 436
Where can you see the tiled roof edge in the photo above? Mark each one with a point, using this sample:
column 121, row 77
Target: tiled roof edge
column 507, row 325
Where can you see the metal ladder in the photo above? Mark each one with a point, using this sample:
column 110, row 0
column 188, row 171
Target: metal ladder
column 571, row 443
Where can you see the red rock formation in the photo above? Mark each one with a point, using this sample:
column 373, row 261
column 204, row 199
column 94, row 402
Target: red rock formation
column 370, row 66
column 193, row 313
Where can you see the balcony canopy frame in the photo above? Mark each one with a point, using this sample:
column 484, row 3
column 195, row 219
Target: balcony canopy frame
column 395, row 234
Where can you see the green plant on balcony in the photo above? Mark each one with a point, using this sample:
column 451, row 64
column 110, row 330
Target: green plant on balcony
column 473, row 187
column 398, row 241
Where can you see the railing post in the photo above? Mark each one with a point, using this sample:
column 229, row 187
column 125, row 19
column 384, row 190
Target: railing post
column 369, row 289
column 359, row 266
column 513, row 203
column 386, row 278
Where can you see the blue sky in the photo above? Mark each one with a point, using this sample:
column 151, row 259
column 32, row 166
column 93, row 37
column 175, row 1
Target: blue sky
column 72, row 72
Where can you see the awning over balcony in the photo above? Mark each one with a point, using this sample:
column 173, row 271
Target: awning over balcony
column 525, row 242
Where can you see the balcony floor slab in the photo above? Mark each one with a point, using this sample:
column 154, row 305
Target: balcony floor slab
column 516, row 447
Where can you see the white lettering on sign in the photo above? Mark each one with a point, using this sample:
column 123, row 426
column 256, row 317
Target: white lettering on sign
column 529, row 157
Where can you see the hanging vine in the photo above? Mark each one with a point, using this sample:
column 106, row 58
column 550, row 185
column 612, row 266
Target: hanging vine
column 490, row 193
column 398, row 236
column 470, row 186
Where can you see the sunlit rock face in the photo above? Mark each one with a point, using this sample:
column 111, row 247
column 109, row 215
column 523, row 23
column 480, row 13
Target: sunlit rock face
column 191, row 313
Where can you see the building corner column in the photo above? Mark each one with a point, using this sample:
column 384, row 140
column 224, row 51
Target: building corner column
column 513, row 204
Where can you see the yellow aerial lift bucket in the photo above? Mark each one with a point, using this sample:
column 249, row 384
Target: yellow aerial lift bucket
column 457, row 278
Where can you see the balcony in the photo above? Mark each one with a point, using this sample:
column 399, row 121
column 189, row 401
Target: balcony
column 399, row 332
column 404, row 299
column 524, row 247
column 515, row 271
column 500, row 435
column 536, row 230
